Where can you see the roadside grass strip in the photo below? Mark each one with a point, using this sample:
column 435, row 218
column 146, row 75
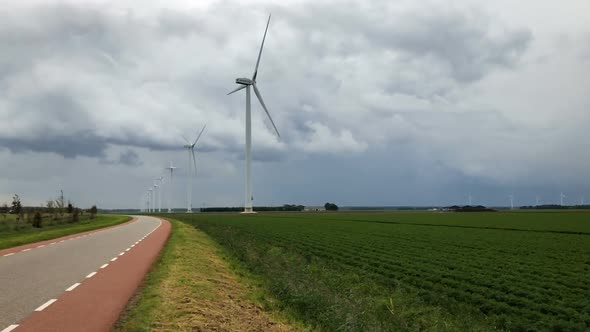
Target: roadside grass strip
column 191, row 288
column 17, row 238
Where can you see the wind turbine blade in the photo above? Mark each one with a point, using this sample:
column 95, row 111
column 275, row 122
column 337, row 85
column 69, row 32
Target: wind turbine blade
column 260, row 52
column 187, row 141
column 265, row 109
column 199, row 135
column 237, row 89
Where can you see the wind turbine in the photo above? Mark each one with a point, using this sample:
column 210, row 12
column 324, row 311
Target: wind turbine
column 150, row 196
column 191, row 170
column 155, row 198
column 159, row 197
column 171, row 168
column 511, row 201
column 537, row 200
column 561, row 196
column 469, row 199
column 247, row 83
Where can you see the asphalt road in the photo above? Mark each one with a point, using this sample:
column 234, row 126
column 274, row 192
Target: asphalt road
column 28, row 279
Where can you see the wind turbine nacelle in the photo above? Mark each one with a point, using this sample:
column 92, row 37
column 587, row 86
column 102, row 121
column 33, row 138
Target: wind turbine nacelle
column 244, row 81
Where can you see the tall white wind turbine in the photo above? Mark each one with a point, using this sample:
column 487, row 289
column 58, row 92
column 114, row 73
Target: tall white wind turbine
column 561, row 197
column 511, row 201
column 171, row 168
column 192, row 170
column 160, row 180
column 155, row 198
column 247, row 83
column 150, row 191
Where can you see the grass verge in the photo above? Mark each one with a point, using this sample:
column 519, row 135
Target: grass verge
column 191, row 288
column 12, row 239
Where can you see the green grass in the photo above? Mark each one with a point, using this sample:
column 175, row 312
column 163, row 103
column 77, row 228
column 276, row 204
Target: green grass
column 190, row 288
column 10, row 237
column 516, row 271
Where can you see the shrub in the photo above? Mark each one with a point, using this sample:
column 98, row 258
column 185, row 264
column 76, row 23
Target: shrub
column 37, row 220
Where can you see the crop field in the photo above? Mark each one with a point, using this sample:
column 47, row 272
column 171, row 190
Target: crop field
column 517, row 271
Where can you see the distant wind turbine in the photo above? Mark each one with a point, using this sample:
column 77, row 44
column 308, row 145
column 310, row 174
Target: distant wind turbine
column 192, row 169
column 561, row 196
column 150, row 199
column 469, row 199
column 161, row 181
column 581, row 200
column 247, row 83
column 511, row 201
column 171, row 168
column 537, row 199
column 155, row 198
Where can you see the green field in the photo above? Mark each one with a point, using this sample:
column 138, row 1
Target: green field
column 518, row 271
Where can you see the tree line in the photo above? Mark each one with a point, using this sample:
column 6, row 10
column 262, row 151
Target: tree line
column 55, row 209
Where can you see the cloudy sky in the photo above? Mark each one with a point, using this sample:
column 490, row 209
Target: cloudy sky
column 378, row 102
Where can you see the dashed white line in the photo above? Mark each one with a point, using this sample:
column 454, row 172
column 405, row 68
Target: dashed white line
column 10, row 328
column 121, row 254
column 41, row 246
column 26, row 249
column 71, row 288
column 52, row 243
column 127, row 249
column 47, row 304
column 8, row 254
column 114, row 259
column 91, row 275
column 104, row 265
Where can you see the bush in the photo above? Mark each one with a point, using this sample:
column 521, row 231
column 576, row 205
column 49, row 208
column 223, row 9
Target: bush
column 37, row 220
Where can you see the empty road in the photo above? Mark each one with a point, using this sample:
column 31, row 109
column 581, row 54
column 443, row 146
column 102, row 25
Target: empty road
column 32, row 278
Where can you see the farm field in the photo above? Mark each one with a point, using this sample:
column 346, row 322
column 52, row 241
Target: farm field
column 516, row 271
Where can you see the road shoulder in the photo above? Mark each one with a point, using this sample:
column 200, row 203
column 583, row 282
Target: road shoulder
column 192, row 288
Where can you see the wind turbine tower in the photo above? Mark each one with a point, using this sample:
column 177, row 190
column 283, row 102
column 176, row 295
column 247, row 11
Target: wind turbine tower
column 250, row 83
column 561, row 196
column 159, row 180
column 171, row 168
column 511, row 201
column 150, row 191
column 192, row 170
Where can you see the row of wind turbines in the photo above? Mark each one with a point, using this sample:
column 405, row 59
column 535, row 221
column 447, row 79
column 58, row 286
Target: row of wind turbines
column 562, row 196
column 153, row 196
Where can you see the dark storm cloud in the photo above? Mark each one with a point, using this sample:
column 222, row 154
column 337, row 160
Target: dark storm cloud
column 130, row 158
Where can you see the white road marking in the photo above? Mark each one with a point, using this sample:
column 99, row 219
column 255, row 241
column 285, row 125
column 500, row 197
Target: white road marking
column 104, row 265
column 71, row 288
column 91, row 275
column 61, row 241
column 41, row 246
column 121, row 254
column 52, row 243
column 133, row 245
column 47, row 304
column 114, row 259
column 127, row 249
column 9, row 254
column 10, row 328
column 26, row 249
